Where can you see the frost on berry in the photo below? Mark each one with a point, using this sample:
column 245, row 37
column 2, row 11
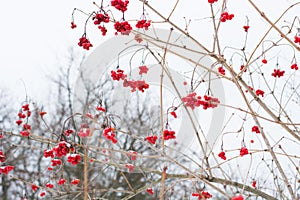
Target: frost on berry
column 48, row 153
column 2, row 156
column 62, row 149
column 109, row 134
column 6, row 169
column 132, row 155
column 130, row 167
column 74, row 159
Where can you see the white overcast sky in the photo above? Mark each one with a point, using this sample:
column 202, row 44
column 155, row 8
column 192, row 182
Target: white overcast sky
column 35, row 35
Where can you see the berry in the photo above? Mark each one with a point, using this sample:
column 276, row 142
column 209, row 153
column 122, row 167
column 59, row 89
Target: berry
column 84, row 43
column 246, row 28
column 243, row 151
column 123, row 27
column 260, row 92
column 151, row 139
column 143, row 70
column 294, row 66
column 221, row 70
column 75, row 181
column 264, row 61
column 143, row 24
column 222, row 155
column 73, row 25
column 120, row 5
column 150, row 191
column 277, row 73
column 255, row 129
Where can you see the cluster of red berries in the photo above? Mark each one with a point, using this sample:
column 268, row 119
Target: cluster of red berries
column 246, row 28
column 120, row 5
column 122, row 27
column 203, row 195
column 6, row 169
column 61, row 181
column 150, row 191
column 130, row 167
column 84, row 43
column 221, row 70
column 109, row 134
column 143, row 70
column 242, row 67
column 143, row 24
column 99, row 18
column 68, row 132
column 277, row 73
column 255, row 129
column 226, row 16
column 243, row 151
column 240, row 197
column 73, row 25
column 297, row 39
column 25, row 113
column 152, row 139
column 141, row 85
column 132, row 155
column 260, row 92
column 2, row 156
column 222, row 155
column 62, row 149
column 74, row 159
column 192, row 101
column 56, row 162
column 117, row 75
column 84, row 131
column 212, row 1
column 169, row 134
column 294, row 66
